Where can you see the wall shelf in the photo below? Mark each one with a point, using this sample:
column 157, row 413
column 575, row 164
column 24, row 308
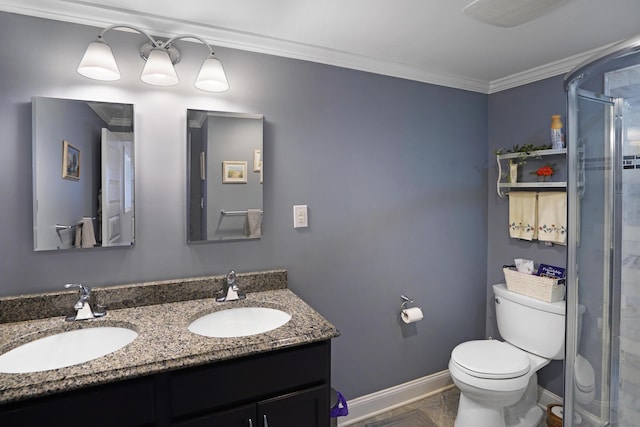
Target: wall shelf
column 546, row 184
column 538, row 153
column 500, row 186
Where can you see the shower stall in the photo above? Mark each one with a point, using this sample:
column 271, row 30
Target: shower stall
column 602, row 363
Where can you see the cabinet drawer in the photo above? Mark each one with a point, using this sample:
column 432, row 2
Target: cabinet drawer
column 249, row 379
column 237, row 417
column 125, row 403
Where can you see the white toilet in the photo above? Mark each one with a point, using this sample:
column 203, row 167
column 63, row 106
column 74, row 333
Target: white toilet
column 497, row 380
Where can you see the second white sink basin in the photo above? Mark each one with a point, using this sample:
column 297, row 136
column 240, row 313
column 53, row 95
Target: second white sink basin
column 65, row 349
column 239, row 322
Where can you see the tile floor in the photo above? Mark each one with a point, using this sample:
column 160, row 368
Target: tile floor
column 439, row 410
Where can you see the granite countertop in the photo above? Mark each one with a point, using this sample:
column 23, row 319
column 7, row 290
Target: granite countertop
column 163, row 343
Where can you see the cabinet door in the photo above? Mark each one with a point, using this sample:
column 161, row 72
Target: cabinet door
column 244, row 416
column 248, row 379
column 308, row 408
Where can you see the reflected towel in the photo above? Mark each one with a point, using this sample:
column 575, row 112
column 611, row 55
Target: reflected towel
column 522, row 215
column 85, row 236
column 552, row 217
column 253, row 223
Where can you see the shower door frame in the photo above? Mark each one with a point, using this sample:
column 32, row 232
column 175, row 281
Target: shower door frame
column 598, row 65
column 611, row 238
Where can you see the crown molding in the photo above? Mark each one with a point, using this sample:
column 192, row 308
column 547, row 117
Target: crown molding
column 552, row 69
column 79, row 12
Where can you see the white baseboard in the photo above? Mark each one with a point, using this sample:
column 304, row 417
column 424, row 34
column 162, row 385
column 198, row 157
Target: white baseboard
column 545, row 397
column 381, row 401
column 373, row 404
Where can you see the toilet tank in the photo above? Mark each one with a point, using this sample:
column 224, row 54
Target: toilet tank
column 531, row 324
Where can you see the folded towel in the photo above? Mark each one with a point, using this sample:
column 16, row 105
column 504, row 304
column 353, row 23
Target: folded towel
column 78, row 241
column 85, row 236
column 522, row 215
column 552, row 217
column 253, row 223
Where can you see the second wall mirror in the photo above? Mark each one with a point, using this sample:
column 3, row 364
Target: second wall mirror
column 224, row 176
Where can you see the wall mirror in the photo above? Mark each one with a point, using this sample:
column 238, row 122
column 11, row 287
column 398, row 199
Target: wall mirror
column 83, row 174
column 224, row 156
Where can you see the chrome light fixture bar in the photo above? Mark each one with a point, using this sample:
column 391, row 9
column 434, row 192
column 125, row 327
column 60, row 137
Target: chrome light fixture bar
column 98, row 62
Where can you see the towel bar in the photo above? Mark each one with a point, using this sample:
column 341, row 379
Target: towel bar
column 69, row 227
column 234, row 213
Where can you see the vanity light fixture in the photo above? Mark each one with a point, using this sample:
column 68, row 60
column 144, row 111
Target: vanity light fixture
column 98, row 62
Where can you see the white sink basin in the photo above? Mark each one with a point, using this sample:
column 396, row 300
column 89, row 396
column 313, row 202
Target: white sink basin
column 239, row 322
column 65, row 349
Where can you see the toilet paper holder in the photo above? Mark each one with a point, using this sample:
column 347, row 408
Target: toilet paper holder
column 409, row 314
column 405, row 302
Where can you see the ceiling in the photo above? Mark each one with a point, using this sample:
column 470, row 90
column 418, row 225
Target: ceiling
column 424, row 40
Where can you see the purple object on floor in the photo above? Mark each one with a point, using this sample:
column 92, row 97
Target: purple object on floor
column 340, row 409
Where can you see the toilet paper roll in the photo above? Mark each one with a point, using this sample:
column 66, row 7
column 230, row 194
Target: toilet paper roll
column 410, row 315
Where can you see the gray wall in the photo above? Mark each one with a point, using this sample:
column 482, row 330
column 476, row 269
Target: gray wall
column 393, row 171
column 520, row 116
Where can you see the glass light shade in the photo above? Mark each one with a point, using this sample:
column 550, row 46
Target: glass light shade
column 211, row 77
column 158, row 70
column 98, row 63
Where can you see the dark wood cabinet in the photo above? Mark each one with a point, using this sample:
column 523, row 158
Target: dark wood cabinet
column 124, row 403
column 281, row 388
column 308, row 408
column 289, row 387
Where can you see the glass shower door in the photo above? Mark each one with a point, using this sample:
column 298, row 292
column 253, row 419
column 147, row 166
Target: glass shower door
column 602, row 359
column 624, row 84
column 590, row 258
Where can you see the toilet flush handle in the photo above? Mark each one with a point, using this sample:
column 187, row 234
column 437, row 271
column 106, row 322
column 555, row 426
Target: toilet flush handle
column 497, row 300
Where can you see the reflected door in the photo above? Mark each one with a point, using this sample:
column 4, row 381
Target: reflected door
column 117, row 192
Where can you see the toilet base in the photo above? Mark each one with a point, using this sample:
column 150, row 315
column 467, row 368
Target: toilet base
column 476, row 415
column 472, row 413
column 524, row 413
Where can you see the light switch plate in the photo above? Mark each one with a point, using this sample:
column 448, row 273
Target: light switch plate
column 300, row 218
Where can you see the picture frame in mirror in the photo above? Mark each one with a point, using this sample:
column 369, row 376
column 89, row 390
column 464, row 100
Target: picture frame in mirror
column 70, row 162
column 234, row 172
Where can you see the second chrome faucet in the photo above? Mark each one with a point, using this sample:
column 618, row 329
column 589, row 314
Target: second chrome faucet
column 230, row 290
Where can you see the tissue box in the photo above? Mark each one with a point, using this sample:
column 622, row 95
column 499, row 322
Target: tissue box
column 542, row 288
column 551, row 271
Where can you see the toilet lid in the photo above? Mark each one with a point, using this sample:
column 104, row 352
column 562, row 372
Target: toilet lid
column 490, row 359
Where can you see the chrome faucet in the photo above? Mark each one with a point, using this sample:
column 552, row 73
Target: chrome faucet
column 230, row 290
column 83, row 306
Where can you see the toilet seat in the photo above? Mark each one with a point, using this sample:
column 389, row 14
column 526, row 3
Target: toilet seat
column 491, row 359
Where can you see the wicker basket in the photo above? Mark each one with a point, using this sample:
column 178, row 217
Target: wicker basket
column 552, row 419
column 542, row 288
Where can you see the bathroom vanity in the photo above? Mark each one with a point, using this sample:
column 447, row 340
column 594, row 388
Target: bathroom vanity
column 286, row 387
column 170, row 376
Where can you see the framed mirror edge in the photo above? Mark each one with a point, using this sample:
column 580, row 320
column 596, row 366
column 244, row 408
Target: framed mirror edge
column 117, row 118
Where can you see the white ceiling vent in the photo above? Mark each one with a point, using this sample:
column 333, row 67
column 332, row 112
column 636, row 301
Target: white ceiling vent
column 509, row 13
